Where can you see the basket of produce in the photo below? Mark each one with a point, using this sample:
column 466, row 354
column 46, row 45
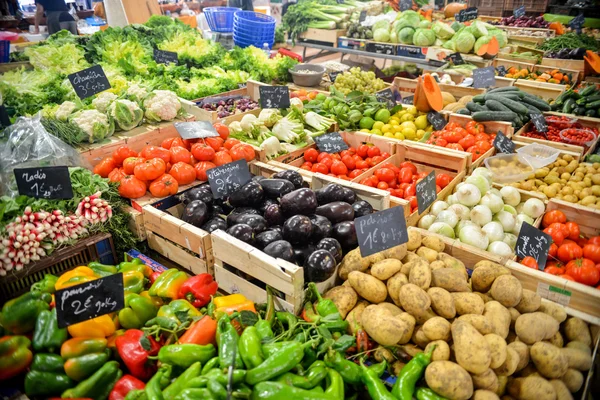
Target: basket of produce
column 220, row 19
column 307, row 74
column 580, row 137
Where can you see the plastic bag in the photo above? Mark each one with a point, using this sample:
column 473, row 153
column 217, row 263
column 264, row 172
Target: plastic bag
column 29, row 145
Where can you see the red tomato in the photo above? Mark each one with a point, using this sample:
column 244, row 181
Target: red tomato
column 573, row 229
column 385, row 175
column 440, row 142
column 354, row 173
column 183, row 173
column 105, row 167
column 484, row 145
column 451, row 136
column 476, row 152
column 131, row 187
column 150, row 169
column 408, row 164
column 322, row 168
column 530, row 262
column 467, row 141
column 568, row 252
column 349, row 161
column 164, row 186
column 373, row 151
column 362, row 164
column 180, row 154
column 397, row 193
column 229, row 143
column 557, row 234
column 553, row 216
column 405, row 175
column 362, row 150
column 203, row 152
column 376, row 160
column 122, row 153
column 311, row 155
column 455, row 146
column 390, row 166
column 562, row 227
column 116, row 175
column 554, row 270
column 382, row 185
column 385, row 155
column 215, row 142
column 553, row 250
column 583, row 271
column 242, row 150
column 339, row 168
column 567, row 277
column 594, row 240
column 167, row 143
column 442, row 180
column 222, row 130
column 413, row 201
column 592, row 251
column 327, row 161
column 222, row 158
column 322, row 156
column 482, row 137
column 151, row 152
column 201, row 169
column 130, row 163
column 410, row 191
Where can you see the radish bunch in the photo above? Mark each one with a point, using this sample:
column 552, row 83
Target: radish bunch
column 94, row 209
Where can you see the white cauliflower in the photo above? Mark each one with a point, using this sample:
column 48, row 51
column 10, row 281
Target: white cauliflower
column 127, row 114
column 103, row 100
column 65, row 110
column 162, row 105
column 97, row 125
column 137, row 92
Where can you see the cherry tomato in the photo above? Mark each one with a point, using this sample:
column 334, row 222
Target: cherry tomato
column 322, row 168
column 362, row 150
column 383, row 185
column 442, row 180
column 349, row 161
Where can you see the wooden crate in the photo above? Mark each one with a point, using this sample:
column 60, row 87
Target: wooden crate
column 460, row 91
column 574, row 74
column 509, row 57
column 575, row 65
column 322, row 35
column 511, row 63
column 136, row 223
column 504, row 82
column 547, row 91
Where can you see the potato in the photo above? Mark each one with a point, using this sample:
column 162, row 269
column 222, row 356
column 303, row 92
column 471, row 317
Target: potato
column 409, row 256
column 397, row 367
column 392, row 308
column 406, row 267
column 353, row 261
column 442, row 302
column 437, row 328
column 484, row 275
column 548, row 360
column 484, row 395
column 385, row 269
column 396, row 252
column 471, row 350
column 375, row 258
column 562, row 391
column 467, row 303
column 479, row 322
column 437, row 264
column 381, row 353
column 441, row 351
column 368, row 287
column 484, row 296
column 578, row 345
column 486, row 380
column 510, row 364
column 535, row 327
column 454, row 263
column 393, row 286
column 529, row 370
column 410, row 322
column 507, row 290
column 382, row 326
column 414, row 300
column 499, row 317
column 497, row 347
column 577, row 329
column 577, row 359
column 523, row 351
column 573, row 379
column 557, row 340
column 422, row 317
column 354, row 316
column 412, row 349
column 449, row 380
column 434, row 243
column 502, row 382
column 419, row 338
column 420, row 275
column 530, row 302
column 486, row 263
column 450, row 279
column 531, row 388
column 344, row 297
column 556, row 311
column 414, row 240
column 427, row 253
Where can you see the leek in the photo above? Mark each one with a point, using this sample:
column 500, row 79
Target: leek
column 322, row 25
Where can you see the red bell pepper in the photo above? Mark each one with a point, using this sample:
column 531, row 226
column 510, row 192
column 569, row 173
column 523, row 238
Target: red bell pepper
column 126, row 384
column 135, row 354
column 198, row 289
column 154, row 275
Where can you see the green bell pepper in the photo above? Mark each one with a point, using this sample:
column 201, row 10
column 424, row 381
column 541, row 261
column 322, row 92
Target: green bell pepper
column 177, row 310
column 46, row 334
column 47, row 377
column 168, row 284
column 195, row 394
column 184, row 355
column 135, row 265
column 82, row 367
column 46, row 285
column 48, row 363
column 138, row 310
column 133, row 282
column 19, row 314
column 97, row 386
column 102, row 270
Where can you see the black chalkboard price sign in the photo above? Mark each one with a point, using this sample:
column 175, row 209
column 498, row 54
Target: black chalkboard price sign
column 426, row 192
column 466, row 14
column 539, row 121
column 89, row 81
column 577, row 22
column 519, row 12
column 228, row 178
column 333, row 75
column 405, row 5
column 4, row 119
column 44, row 182
column 504, row 144
column 408, row 99
column 533, row 243
column 484, row 77
column 362, row 16
column 381, row 231
column 165, row 57
column 386, row 95
column 380, row 48
column 274, row 96
column 89, row 300
column 331, row 142
column 437, row 120
column 455, row 58
column 195, row 129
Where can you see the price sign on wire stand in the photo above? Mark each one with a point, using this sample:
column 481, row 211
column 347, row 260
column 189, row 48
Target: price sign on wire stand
column 577, row 23
column 519, row 12
column 466, row 15
column 228, row 178
column 504, row 144
column 89, row 81
column 89, row 300
column 455, row 58
column 533, row 243
column 274, row 96
column 195, row 129
column 426, row 192
column 386, row 95
column 44, row 182
column 381, row 231
column 333, row 75
column 331, row 142
column 165, row 57
column 4, row 119
column 408, row 99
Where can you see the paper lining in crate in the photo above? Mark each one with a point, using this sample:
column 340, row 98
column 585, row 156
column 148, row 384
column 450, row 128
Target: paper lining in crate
column 251, row 90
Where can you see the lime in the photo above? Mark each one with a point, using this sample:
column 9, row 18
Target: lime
column 320, row 97
column 366, row 123
column 421, row 122
column 382, row 115
column 377, row 125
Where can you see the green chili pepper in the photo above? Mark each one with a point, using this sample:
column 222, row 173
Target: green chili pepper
column 210, row 364
column 250, row 348
column 404, row 388
column 194, row 394
column 272, row 348
column 335, row 326
column 186, row 354
column 287, row 319
column 139, row 394
column 155, row 385
column 277, row 364
column 323, row 306
column 179, row 384
column 227, row 338
column 165, row 323
column 278, row 391
column 375, row 386
column 350, row 371
column 335, row 384
column 315, row 374
column 379, row 369
column 428, row 394
column 344, row 343
column 310, row 357
column 217, row 390
column 102, row 270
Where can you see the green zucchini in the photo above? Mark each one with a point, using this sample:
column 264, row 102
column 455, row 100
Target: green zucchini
column 588, row 90
column 536, row 102
column 593, row 104
column 504, row 89
column 494, row 105
column 591, row 113
column 512, row 104
column 480, row 98
column 579, row 110
column 589, row 99
column 563, row 97
column 569, row 106
column 464, row 111
column 475, row 107
column 483, row 116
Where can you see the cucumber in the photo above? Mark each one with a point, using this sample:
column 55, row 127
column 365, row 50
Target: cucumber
column 579, row 110
column 473, row 107
column 483, row 116
column 569, row 106
column 494, row 105
column 588, row 90
column 504, row 89
column 464, row 111
column 537, row 103
column 593, row 104
column 512, row 104
column 533, row 109
column 480, row 98
column 591, row 113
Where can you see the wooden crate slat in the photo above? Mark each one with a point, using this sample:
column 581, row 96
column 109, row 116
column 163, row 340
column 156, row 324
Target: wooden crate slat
column 178, row 255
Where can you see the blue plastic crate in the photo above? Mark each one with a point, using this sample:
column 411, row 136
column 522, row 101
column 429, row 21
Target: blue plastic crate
column 220, row 19
column 4, row 51
column 105, row 252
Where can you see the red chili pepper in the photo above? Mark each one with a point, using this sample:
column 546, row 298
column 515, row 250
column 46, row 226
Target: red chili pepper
column 198, row 290
column 362, row 341
column 135, row 354
column 126, row 384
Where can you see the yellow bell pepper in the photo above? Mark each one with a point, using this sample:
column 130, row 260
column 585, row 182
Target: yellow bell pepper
column 75, row 277
column 157, row 301
column 99, row 327
column 231, row 300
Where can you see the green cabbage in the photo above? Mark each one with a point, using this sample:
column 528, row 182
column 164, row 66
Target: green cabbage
column 442, row 30
column 456, row 26
column 425, row 24
column 382, row 24
column 500, row 36
column 464, row 42
column 412, row 18
column 381, row 35
column 450, row 45
column 394, row 37
column 406, row 35
column 478, row 29
column 424, row 37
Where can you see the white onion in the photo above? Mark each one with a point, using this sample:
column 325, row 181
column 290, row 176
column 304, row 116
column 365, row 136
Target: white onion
column 496, row 192
column 486, row 173
column 426, row 221
column 447, row 216
column 462, row 212
column 481, row 182
column 442, row 228
column 510, row 195
column 510, row 209
column 474, row 236
column 519, row 219
column 494, row 231
column 500, row 249
column 462, row 224
column 510, row 240
column 506, row 219
column 438, row 207
column 534, row 208
column 493, row 202
column 481, row 215
column 519, row 208
column 468, row 195
column 452, row 199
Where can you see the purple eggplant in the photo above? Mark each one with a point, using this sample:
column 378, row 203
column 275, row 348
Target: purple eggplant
column 332, row 246
column 297, row 229
column 300, row 201
column 319, row 266
column 195, row 213
column 337, row 211
column 280, row 249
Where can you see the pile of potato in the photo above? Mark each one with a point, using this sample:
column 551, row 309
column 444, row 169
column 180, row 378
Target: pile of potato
column 566, row 179
column 492, row 337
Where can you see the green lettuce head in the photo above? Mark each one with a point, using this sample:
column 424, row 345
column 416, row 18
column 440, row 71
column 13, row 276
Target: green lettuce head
column 126, row 114
column 424, row 37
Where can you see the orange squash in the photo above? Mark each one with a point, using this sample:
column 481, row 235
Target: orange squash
column 557, row 27
column 593, row 60
column 453, row 8
column 428, row 95
column 490, row 49
column 419, row 100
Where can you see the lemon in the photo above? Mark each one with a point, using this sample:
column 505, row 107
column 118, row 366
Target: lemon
column 393, row 122
column 412, row 110
column 397, row 128
column 421, row 122
column 420, row 133
column 409, row 124
column 400, row 113
column 365, row 130
column 386, row 128
column 407, row 117
column 394, row 118
column 399, row 136
column 409, row 133
column 377, row 126
column 388, row 134
column 376, row 132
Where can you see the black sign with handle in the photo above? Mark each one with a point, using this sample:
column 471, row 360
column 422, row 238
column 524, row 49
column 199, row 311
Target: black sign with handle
column 44, row 182
column 89, row 81
column 577, row 22
column 426, row 192
column 533, row 243
column 455, row 58
column 408, row 99
column 381, row 48
column 504, row 144
column 381, row 231
column 331, row 142
column 274, row 96
column 484, row 77
column 4, row 118
column 89, row 300
column 195, row 129
column 228, row 178
column 466, row 15
column 405, row 5
column 333, row 75
column 539, row 121
column 165, row 57
column 437, row 120
column 386, row 95
column 519, row 12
